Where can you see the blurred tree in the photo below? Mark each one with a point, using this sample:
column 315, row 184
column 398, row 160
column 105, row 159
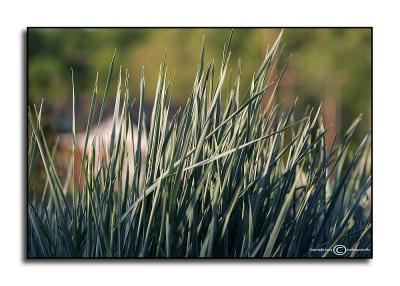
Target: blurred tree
column 328, row 65
column 333, row 66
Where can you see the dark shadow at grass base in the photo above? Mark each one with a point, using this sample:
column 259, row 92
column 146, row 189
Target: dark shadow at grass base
column 199, row 261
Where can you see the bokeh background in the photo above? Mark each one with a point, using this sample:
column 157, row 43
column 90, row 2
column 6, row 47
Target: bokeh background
column 332, row 66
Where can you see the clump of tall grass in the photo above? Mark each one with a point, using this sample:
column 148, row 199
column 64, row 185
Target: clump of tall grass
column 241, row 178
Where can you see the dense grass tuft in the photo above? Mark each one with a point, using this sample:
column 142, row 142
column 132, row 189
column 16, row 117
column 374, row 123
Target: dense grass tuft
column 228, row 176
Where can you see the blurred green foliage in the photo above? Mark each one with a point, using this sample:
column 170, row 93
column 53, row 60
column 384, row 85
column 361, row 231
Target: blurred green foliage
column 328, row 65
